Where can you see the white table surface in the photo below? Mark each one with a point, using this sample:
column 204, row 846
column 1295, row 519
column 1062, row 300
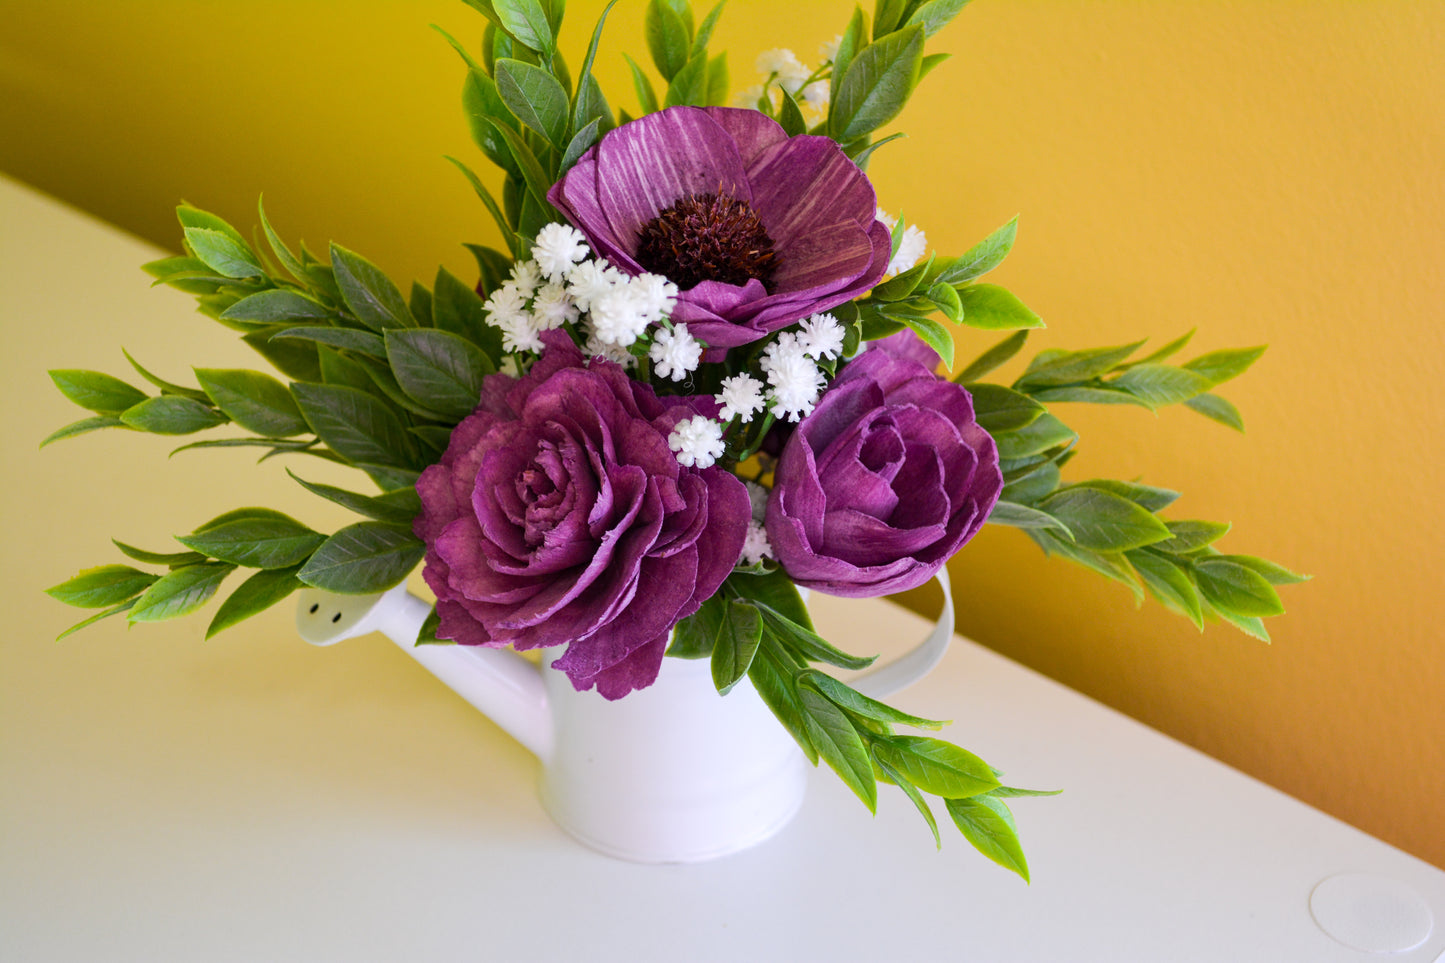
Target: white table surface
column 252, row 798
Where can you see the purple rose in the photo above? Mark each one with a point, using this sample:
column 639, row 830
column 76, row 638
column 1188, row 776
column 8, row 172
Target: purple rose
column 757, row 229
column 885, row 480
column 560, row 515
column 906, row 344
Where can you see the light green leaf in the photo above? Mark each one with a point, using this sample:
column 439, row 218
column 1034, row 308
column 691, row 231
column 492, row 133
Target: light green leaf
column 1235, row 588
column 989, row 826
column 1056, row 367
column 934, row 15
column 839, row 744
column 1022, row 516
column 1043, row 433
column 935, row 766
column 283, row 253
column 1108, row 564
column 255, row 401
column 1217, row 409
column 668, row 40
column 113, row 610
column 1273, row 574
column 689, row 85
column 852, row 40
column 933, row 333
column 1161, row 384
column 1145, row 496
column 1032, row 486
column 98, row 588
column 81, row 427
column 1102, row 521
column 171, row 415
column 1086, row 394
column 775, row 686
column 1189, row 536
column 1220, row 366
column 807, row 644
column 993, row 308
column 851, row 700
column 914, row 796
column 255, row 595
column 646, row 96
column 736, row 644
column 95, row 391
column 172, row 559
column 527, row 22
column 536, row 97
column 363, row 558
column 992, row 358
column 223, row 253
column 1168, row 583
column 194, row 217
column 983, row 256
column 180, row 592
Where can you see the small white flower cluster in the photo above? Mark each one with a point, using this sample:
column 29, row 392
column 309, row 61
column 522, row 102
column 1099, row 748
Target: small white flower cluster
column 697, row 441
column 756, row 546
column 782, row 67
column 911, row 247
column 790, row 365
column 563, row 282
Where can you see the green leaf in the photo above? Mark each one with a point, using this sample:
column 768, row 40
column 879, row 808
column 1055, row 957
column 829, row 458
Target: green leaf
column 223, row 253
column 354, row 424
column 931, row 61
column 693, row 637
column 399, row 506
column 775, row 591
column 171, row 415
column 855, row 702
column 1248, row 624
column 646, row 96
column 775, row 686
column 536, row 97
column 269, row 543
column 1056, row 367
column 1108, row 564
column 947, row 300
column 1145, row 496
column 1168, row 583
column 807, row 644
column 195, row 217
column 689, row 85
column 1032, row 486
column 255, row 401
column 913, row 795
column 935, row 766
column 1217, row 409
column 98, row 588
column 580, row 144
column 283, row 253
column 861, row 158
column 1103, row 521
column 438, row 369
column 668, row 39
column 458, row 309
column 992, row 308
column 83, row 623
column 537, row 180
column 363, row 558
column 1043, row 433
column 526, row 21
column 172, row 559
column 989, row 826
column 293, row 359
column 1161, row 384
column 275, row 306
column 430, row 626
column 81, row 427
column 369, row 294
column 1087, row 395
column 1170, row 349
column 933, row 333
column 180, row 592
column 852, row 40
column 255, row 595
column 1022, row 516
column 736, row 644
column 1273, row 574
column 876, row 85
column 96, row 391
column 483, row 106
column 903, row 284
column 791, row 117
column 838, row 743
column 195, row 394
column 999, row 409
column 1237, row 589
column 983, row 256
column 587, row 86
column 1218, row 367
column 888, row 16
column 1189, row 536
column 934, row 15
column 349, row 339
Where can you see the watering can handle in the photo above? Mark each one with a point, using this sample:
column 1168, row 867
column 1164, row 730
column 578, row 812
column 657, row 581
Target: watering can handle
column 884, row 680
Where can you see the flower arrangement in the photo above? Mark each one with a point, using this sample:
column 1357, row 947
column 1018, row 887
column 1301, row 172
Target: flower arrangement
column 702, row 370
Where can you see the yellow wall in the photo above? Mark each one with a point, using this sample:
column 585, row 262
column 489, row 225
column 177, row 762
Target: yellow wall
column 1265, row 171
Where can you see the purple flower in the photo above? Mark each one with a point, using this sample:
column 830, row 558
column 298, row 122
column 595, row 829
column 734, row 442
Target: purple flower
column 757, row 228
column 559, row 515
column 885, row 480
column 908, row 345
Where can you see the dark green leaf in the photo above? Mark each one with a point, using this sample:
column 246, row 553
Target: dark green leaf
column 274, row 306
column 98, row 588
column 1022, row 516
column 438, row 369
column 255, row 401
column 1145, row 496
column 1235, row 588
column 693, row 637
column 171, row 415
column 903, row 284
column 791, row 117
column 369, row 294
column 876, row 85
column 430, row 626
column 855, row 702
column 1103, row 521
column 838, row 742
column 363, row 558
column 775, row 591
column 420, row 304
column 294, row 359
column 172, row 559
column 668, row 39
column 458, row 309
column 1218, row 367
column 180, row 592
column 1056, row 367
column 81, row 427
column 852, row 40
column 689, row 85
column 269, row 543
column 226, row 255
column 195, row 394
column 536, row 97
column 399, row 506
column 646, row 96
column 1032, row 486
column 349, row 339
column 581, row 143
column 935, row 766
column 96, row 391
column 537, row 180
column 1043, row 433
column 989, row 826
column 1168, row 583
column 934, row 334
column 736, row 644
column 999, row 409
column 1087, row 395
column 354, row 424
column 1217, row 409
column 775, row 686
column 255, row 595
column 482, row 106
column 888, row 16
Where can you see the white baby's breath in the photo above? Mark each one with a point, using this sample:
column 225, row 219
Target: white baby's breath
column 910, row 250
column 741, row 397
column 821, row 336
column 756, row 546
column 675, row 354
column 816, row 95
column 520, row 332
column 526, row 276
column 618, row 317
column 828, row 50
column 553, row 307
column 557, row 248
column 794, row 378
column 656, row 296
column 591, row 279
column 697, row 442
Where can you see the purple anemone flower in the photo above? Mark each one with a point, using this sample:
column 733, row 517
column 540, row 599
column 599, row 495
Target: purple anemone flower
column 757, row 229
column 560, row 515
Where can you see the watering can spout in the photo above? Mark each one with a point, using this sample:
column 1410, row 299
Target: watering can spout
column 503, row 685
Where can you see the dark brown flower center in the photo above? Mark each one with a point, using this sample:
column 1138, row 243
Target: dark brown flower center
column 708, row 237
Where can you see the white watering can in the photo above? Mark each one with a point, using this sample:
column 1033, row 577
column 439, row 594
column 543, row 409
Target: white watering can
column 670, row 773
